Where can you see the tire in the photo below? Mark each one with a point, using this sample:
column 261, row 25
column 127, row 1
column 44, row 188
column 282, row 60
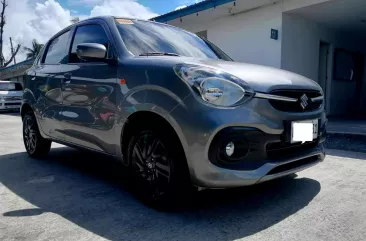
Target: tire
column 159, row 169
column 35, row 145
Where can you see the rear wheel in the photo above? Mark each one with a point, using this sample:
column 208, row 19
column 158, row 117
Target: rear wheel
column 35, row 144
column 159, row 168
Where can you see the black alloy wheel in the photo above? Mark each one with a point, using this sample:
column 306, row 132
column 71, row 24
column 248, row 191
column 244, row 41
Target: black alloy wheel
column 152, row 165
column 30, row 137
column 159, row 168
column 34, row 143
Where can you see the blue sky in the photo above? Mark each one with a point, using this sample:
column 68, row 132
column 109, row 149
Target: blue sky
column 83, row 7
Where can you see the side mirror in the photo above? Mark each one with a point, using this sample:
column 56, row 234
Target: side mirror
column 91, row 51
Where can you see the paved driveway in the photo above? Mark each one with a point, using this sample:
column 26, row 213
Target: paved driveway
column 73, row 195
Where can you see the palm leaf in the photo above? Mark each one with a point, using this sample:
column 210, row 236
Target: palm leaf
column 34, row 51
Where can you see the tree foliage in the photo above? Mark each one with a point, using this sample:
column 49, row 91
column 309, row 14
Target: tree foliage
column 5, row 62
column 34, row 50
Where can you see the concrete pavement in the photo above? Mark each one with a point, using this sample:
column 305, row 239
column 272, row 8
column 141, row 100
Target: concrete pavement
column 74, row 195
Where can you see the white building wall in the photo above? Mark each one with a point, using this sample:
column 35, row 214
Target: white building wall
column 245, row 37
column 300, row 54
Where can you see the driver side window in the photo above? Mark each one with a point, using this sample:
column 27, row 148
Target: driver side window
column 87, row 34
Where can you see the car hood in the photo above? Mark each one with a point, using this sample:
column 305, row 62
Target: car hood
column 10, row 93
column 260, row 78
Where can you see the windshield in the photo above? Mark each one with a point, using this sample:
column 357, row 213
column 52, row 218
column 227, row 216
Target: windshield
column 143, row 37
column 10, row 86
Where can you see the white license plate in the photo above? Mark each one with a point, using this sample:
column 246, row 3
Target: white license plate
column 302, row 131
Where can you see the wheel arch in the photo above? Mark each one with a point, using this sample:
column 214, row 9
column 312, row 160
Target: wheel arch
column 154, row 118
column 24, row 109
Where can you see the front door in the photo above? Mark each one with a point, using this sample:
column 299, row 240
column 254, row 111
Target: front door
column 89, row 94
column 46, row 79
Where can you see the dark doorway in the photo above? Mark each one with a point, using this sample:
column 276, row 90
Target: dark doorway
column 346, row 84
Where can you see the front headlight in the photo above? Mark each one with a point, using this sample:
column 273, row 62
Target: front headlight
column 214, row 86
column 2, row 98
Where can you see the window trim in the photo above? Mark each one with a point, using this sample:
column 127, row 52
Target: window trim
column 111, row 45
column 219, row 53
column 38, row 59
column 46, row 48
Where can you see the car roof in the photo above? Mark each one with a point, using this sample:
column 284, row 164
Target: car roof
column 103, row 18
column 112, row 17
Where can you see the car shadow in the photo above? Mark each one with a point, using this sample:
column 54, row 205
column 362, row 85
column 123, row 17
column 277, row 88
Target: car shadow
column 89, row 190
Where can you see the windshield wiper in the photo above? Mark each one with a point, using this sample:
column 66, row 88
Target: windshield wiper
column 158, row 54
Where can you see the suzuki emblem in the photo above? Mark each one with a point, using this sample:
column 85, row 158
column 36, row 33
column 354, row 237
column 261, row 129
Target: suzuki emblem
column 304, row 101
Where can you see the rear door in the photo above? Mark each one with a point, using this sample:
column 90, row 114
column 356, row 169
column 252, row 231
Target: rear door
column 45, row 82
column 89, row 92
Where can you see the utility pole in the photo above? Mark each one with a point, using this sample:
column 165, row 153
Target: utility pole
column 12, row 50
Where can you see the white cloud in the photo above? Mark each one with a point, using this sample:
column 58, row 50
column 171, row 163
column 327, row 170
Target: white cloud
column 122, row 8
column 82, row 17
column 189, row 2
column 27, row 19
column 186, row 3
column 83, row 2
column 180, row 7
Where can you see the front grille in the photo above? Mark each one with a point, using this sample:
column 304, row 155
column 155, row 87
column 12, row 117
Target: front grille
column 10, row 98
column 16, row 103
column 282, row 150
column 296, row 106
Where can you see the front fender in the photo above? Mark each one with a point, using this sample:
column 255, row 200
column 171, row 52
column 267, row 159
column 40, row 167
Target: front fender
column 154, row 99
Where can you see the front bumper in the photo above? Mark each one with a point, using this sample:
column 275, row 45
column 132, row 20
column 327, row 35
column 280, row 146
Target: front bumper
column 266, row 157
column 270, row 125
column 217, row 177
column 9, row 105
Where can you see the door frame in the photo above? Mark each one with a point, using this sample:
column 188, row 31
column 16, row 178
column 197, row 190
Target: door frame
column 329, row 63
column 112, row 62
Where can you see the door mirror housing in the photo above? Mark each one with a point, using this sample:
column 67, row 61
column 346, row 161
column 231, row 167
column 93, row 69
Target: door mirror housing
column 91, row 51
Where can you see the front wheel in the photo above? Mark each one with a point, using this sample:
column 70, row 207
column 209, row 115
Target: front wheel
column 159, row 168
column 35, row 144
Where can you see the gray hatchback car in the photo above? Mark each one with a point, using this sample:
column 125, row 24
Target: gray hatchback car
column 171, row 106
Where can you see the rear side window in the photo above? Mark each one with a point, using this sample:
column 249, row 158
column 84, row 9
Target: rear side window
column 56, row 52
column 88, row 34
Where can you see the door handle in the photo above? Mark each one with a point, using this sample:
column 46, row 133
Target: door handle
column 67, row 75
column 66, row 79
